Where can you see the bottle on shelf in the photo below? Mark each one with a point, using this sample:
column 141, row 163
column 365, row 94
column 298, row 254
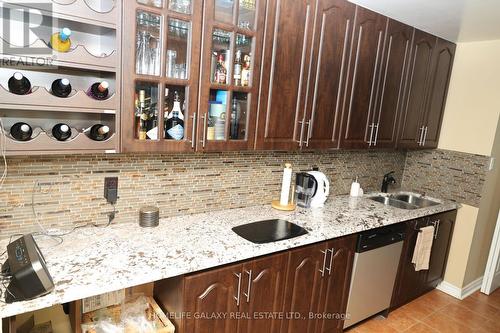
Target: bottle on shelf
column 220, row 70
column 61, row 88
column 237, row 69
column 60, row 41
column 21, row 131
column 19, row 84
column 99, row 132
column 143, row 116
column 61, row 132
column 99, row 90
column 174, row 123
column 235, row 117
column 245, row 72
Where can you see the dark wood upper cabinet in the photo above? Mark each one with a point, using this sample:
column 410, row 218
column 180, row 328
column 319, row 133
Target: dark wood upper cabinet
column 328, row 70
column 285, row 71
column 390, row 96
column 232, row 38
column 162, row 65
column 411, row 130
column 363, row 78
column 441, row 72
column 430, row 71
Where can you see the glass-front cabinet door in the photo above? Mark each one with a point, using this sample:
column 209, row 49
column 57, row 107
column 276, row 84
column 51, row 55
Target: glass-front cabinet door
column 230, row 73
column 161, row 52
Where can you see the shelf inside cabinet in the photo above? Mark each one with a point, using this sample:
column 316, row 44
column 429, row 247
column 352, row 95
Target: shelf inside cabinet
column 105, row 13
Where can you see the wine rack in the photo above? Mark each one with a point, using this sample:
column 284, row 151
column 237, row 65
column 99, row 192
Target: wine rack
column 94, row 56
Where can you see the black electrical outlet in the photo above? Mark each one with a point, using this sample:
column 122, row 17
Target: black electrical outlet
column 111, row 189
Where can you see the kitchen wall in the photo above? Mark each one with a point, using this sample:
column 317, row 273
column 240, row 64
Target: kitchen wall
column 71, row 187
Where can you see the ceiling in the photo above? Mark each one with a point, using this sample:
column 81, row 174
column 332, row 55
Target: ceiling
column 455, row 20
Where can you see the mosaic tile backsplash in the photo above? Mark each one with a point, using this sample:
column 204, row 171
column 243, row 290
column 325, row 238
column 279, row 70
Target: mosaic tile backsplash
column 446, row 174
column 70, row 188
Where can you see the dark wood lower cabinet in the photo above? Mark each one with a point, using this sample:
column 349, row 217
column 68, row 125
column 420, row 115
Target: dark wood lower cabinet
column 411, row 284
column 265, row 294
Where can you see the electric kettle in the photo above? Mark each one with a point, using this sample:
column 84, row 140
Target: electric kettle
column 322, row 190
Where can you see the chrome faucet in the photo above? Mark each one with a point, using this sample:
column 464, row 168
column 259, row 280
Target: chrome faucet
column 388, row 179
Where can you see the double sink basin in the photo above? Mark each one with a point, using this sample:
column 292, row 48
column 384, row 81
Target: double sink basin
column 404, row 201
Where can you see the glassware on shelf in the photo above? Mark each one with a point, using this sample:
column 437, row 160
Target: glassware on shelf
column 223, row 11
column 146, row 111
column 246, row 17
column 148, row 44
column 151, row 3
column 217, row 115
column 178, row 40
column 239, row 108
column 180, row 6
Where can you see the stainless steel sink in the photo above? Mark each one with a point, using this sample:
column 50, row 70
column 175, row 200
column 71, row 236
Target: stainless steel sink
column 415, row 200
column 404, row 201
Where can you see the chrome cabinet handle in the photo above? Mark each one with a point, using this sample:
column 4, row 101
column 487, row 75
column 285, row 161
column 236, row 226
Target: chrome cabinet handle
column 421, row 137
column 237, row 297
column 425, row 135
column 322, row 270
column 302, row 123
column 203, row 140
column 329, row 269
column 193, row 131
column 247, row 294
column 308, row 123
column 436, row 226
column 371, row 134
column 376, row 134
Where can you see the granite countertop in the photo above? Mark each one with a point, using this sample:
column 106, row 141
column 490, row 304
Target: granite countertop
column 93, row 261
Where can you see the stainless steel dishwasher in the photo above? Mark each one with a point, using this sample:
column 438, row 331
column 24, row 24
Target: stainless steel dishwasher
column 374, row 272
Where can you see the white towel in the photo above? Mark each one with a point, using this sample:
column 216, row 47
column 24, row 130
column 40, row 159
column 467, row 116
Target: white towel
column 423, row 247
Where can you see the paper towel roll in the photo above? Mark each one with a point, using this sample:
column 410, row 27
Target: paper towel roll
column 285, row 185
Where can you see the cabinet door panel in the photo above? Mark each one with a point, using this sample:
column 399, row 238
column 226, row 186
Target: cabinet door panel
column 284, row 74
column 333, row 34
column 303, row 287
column 267, row 277
column 212, row 292
column 420, row 69
column 335, row 287
column 390, row 99
column 369, row 30
column 441, row 71
column 440, row 246
column 409, row 283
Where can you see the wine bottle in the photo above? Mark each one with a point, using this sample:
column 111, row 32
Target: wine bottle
column 61, row 88
column 21, row 131
column 143, row 116
column 174, row 126
column 60, row 41
column 235, row 119
column 99, row 132
column 19, row 84
column 237, row 69
column 99, row 90
column 221, row 71
column 245, row 72
column 61, row 132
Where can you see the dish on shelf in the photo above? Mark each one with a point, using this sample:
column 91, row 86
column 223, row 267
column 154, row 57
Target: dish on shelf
column 40, row 96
